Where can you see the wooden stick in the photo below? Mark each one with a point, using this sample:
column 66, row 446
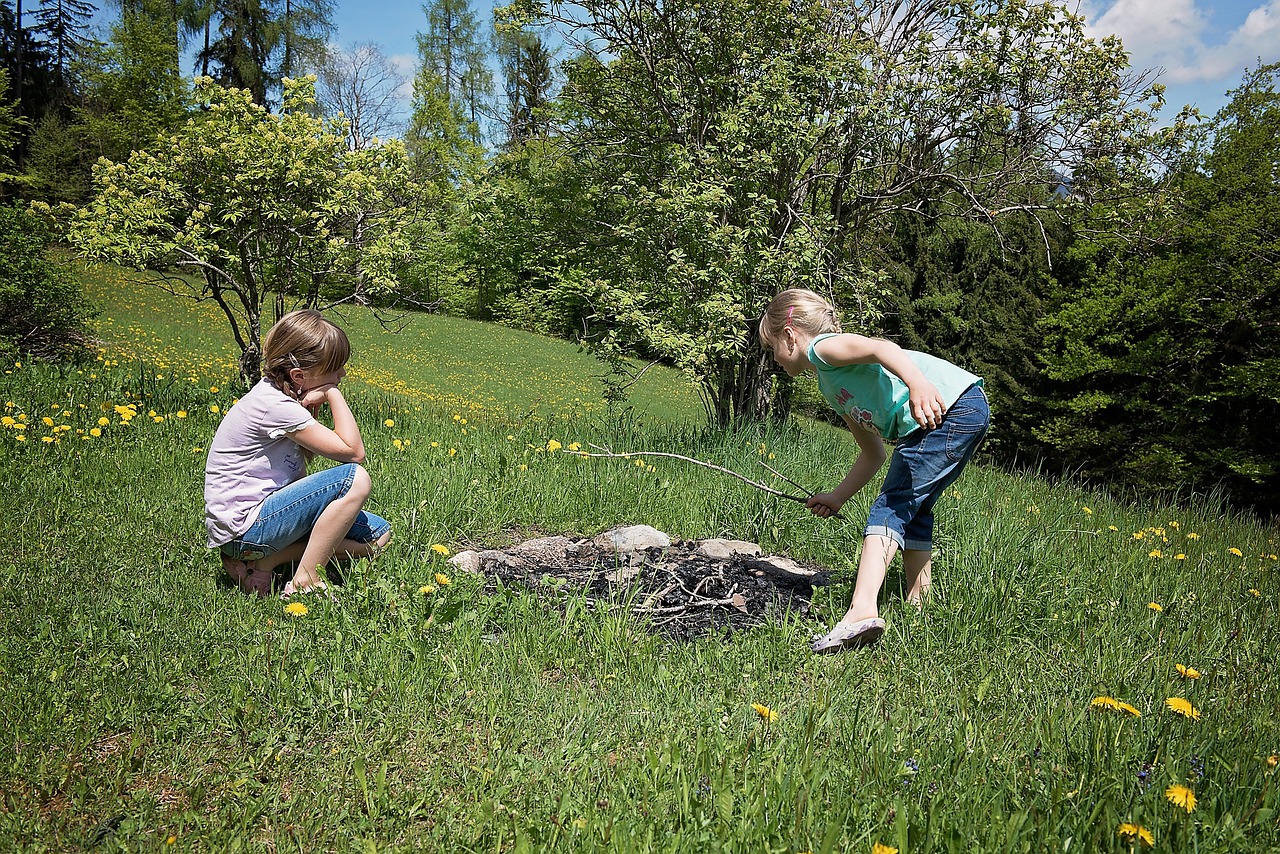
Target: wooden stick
column 607, row 453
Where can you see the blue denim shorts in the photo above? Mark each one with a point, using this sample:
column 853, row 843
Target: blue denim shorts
column 922, row 466
column 289, row 514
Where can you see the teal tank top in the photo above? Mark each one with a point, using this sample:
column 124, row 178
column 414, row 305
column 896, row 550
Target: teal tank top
column 875, row 398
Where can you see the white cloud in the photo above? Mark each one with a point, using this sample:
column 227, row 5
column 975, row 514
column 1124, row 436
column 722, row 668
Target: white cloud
column 1173, row 35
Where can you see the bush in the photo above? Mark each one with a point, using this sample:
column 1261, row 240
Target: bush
column 42, row 310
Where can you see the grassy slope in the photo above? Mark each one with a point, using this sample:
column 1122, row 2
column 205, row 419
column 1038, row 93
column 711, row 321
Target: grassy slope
column 140, row 700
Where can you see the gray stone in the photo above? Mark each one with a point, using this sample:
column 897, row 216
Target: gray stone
column 783, row 567
column 725, row 549
column 467, row 561
column 632, row 539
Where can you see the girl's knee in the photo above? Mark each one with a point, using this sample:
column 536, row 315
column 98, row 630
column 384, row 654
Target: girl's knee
column 361, row 484
column 384, row 539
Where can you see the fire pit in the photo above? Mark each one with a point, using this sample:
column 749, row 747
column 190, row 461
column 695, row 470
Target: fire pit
column 680, row 589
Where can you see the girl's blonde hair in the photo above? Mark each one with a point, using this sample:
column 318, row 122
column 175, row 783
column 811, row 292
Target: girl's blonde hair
column 303, row 339
column 801, row 309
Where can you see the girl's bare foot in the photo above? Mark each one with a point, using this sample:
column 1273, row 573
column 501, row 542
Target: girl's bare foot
column 247, row 576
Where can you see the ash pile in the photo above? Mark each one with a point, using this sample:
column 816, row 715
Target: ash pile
column 682, row 589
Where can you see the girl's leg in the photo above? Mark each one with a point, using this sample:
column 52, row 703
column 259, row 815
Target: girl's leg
column 877, row 554
column 329, row 532
column 917, row 567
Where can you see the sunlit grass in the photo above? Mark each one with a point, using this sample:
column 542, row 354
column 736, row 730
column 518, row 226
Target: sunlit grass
column 1090, row 671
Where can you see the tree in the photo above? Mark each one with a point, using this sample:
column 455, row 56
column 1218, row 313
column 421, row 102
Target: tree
column 63, row 26
column 1163, row 360
column 741, row 146
column 259, row 209
column 364, row 87
column 305, row 28
column 453, row 51
column 527, row 78
column 42, row 311
column 240, row 56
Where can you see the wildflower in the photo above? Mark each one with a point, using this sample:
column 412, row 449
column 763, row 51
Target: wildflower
column 1183, row 707
column 1193, row 536
column 1112, row 528
column 1138, row 535
column 1128, row 709
column 766, row 714
column 399, row 445
column 1180, row 556
column 510, row 438
column 182, row 413
column 453, row 452
column 1189, row 672
column 296, row 609
column 1104, row 703
column 1255, row 592
column 213, row 407
column 213, row 389
column 580, row 823
column 1273, row 760
column 104, row 421
column 1181, row 796
column 442, row 579
column 1135, row 833
column 95, row 432
column 426, row 590
column 554, row 446
column 1235, row 551
column 1155, row 553
column 390, row 422
column 1087, row 510
column 1156, row 606
column 880, row 848
column 440, row 550
column 574, row 446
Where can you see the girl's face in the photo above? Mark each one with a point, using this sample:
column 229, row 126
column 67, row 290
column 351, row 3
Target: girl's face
column 307, row 379
column 791, row 351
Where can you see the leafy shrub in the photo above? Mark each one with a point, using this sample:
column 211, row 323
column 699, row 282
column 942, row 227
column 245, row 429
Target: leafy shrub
column 42, row 310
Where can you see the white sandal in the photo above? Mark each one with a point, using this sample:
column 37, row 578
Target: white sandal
column 850, row 636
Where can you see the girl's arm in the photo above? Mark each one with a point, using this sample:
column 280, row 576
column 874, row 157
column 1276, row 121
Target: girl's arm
column 927, row 405
column 870, row 458
column 343, row 443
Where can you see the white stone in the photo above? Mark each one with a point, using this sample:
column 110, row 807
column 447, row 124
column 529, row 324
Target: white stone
column 725, row 549
column 632, row 538
column 467, row 561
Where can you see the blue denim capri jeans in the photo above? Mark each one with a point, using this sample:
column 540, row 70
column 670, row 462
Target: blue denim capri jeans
column 922, row 466
column 289, row 514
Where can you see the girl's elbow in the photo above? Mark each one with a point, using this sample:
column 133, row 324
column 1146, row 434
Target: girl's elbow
column 357, row 456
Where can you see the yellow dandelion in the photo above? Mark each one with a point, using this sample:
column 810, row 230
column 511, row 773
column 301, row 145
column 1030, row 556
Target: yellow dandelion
column 20, row 437
column 1235, row 551
column 1135, row 833
column 523, row 467
column 95, row 432
column 1181, row 796
column 574, row 446
column 182, row 413
column 1138, row 535
column 1193, row 536
column 1180, row 556
column 1255, row 592
column 104, row 421
column 398, row 444
column 426, row 590
column 880, row 848
column 442, row 579
column 296, row 609
column 48, row 422
column 1087, row 510
column 435, row 444
column 766, row 714
column 390, row 422
column 1189, row 672
column 46, row 439
column 1182, row 707
column 440, row 550
column 580, row 823
column 1156, row 606
column 1273, row 760
column 1104, row 702
column 1128, row 709
column 1155, row 553
column 1112, row 528
column 453, row 452
column 213, row 389
column 554, row 446
column 213, row 407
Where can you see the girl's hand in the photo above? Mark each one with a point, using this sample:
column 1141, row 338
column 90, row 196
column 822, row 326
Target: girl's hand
column 314, row 398
column 927, row 405
column 824, row 504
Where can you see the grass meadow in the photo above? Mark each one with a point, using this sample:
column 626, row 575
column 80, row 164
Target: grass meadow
column 1091, row 675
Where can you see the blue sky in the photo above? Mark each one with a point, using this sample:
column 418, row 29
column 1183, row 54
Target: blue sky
column 1201, row 47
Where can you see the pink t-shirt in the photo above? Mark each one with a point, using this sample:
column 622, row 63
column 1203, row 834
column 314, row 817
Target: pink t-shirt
column 251, row 456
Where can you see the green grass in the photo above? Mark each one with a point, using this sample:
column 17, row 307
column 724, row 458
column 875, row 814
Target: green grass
column 142, row 701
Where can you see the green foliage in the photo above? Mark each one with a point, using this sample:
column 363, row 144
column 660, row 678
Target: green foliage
column 42, row 310
column 1164, row 358
column 733, row 148
column 259, row 208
